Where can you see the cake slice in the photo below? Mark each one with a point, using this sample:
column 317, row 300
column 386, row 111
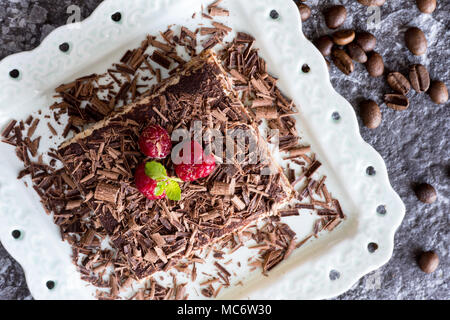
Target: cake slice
column 153, row 235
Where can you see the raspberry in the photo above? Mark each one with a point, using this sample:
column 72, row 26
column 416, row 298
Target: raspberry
column 145, row 184
column 155, row 142
column 199, row 166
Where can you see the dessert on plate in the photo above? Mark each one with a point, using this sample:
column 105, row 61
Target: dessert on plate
column 153, row 233
column 166, row 175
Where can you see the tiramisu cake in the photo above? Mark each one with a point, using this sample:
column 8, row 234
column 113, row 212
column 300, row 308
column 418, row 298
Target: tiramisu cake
column 153, row 232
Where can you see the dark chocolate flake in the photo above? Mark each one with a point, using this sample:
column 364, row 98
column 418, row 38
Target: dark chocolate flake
column 161, row 59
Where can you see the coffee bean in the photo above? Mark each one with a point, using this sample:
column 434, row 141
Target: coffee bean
column 426, row 193
column 426, row 6
column 305, row 11
column 335, row 16
column 342, row 61
column 398, row 82
column 370, row 114
column 428, row 261
column 366, row 41
column 416, row 41
column 356, row 53
column 375, row 65
column 324, row 44
column 343, row 37
column 438, row 92
column 396, row 101
column 419, row 77
column 369, row 3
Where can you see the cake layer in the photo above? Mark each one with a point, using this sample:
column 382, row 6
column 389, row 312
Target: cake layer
column 153, row 235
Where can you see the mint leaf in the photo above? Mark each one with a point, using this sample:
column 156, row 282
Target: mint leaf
column 160, row 188
column 155, row 170
column 173, row 190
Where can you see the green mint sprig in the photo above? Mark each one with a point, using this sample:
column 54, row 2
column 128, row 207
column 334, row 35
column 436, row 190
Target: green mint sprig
column 170, row 185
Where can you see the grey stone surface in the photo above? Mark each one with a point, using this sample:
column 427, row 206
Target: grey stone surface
column 414, row 143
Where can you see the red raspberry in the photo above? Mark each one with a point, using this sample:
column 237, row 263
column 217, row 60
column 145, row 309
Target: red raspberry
column 145, row 184
column 199, row 166
column 155, row 142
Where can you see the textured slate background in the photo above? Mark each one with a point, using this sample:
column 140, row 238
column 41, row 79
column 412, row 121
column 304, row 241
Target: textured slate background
column 414, row 143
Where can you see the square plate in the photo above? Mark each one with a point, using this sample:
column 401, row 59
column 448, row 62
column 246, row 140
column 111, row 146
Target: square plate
column 326, row 121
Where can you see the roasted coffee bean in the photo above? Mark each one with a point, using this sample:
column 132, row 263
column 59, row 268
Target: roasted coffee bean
column 370, row 3
column 426, row 193
column 426, row 6
column 370, row 114
column 398, row 82
column 356, row 53
column 396, row 101
column 375, row 65
column 324, row 44
column 335, row 16
column 305, row 11
column 419, row 78
column 416, row 41
column 342, row 61
column 428, row 261
column 438, row 92
column 343, row 37
column 366, row 41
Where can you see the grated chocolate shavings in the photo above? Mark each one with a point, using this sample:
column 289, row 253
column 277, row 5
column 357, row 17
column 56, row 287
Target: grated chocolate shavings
column 312, row 169
column 216, row 11
column 8, row 128
column 161, row 59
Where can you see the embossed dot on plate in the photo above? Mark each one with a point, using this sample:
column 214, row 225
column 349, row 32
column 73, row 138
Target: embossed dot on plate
column 336, row 116
column 381, row 210
column 306, row 68
column 14, row 73
column 50, row 284
column 372, row 247
column 371, row 171
column 334, row 275
column 64, row 47
column 16, row 234
column 274, row 14
column 116, row 17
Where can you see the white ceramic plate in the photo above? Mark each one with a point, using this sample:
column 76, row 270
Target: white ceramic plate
column 98, row 41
